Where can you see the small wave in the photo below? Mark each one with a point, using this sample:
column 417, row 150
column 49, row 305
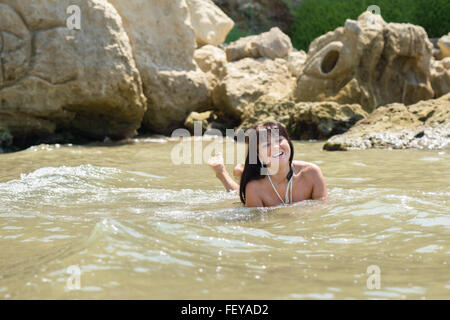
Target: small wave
column 125, row 241
column 82, row 171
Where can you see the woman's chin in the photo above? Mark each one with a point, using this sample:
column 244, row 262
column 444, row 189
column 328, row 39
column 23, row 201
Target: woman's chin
column 279, row 163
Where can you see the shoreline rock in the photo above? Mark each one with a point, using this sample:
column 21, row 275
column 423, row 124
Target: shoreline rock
column 52, row 79
column 245, row 80
column 424, row 125
column 371, row 64
column 152, row 65
column 172, row 82
column 304, row 120
column 213, row 122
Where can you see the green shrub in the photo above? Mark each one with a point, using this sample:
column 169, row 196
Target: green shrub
column 434, row 16
column 235, row 34
column 313, row 18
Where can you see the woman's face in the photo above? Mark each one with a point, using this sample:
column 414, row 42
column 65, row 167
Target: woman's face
column 274, row 151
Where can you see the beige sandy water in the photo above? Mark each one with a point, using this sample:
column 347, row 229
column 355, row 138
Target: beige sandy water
column 138, row 226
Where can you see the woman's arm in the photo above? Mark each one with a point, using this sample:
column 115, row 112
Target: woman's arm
column 216, row 163
column 227, row 182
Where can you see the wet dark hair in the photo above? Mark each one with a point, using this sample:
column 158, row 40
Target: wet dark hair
column 252, row 171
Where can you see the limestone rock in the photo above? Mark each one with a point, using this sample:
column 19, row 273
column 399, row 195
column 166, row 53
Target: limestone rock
column 211, row 60
column 53, row 78
column 212, row 122
column 163, row 42
column 204, row 117
column 248, row 79
column 425, row 124
column 259, row 15
column 444, row 45
column 437, row 54
column 211, row 25
column 369, row 62
column 272, row 44
column 244, row 47
column 268, row 108
column 440, row 76
column 296, row 62
column 304, row 120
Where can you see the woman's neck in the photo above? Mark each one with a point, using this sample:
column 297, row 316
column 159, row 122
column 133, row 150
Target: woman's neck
column 281, row 173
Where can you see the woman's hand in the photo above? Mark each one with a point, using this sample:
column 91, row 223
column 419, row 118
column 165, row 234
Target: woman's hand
column 216, row 163
column 237, row 172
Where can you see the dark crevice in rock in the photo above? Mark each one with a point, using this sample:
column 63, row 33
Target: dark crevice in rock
column 316, row 131
column 420, row 134
column 330, row 61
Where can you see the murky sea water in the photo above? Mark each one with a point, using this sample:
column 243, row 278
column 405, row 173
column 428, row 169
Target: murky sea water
column 138, row 226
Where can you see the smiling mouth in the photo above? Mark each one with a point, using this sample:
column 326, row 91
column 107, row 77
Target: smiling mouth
column 278, row 155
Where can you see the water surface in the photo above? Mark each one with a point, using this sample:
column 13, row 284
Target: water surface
column 140, row 227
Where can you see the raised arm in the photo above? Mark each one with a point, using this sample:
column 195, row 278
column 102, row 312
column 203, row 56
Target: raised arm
column 216, row 163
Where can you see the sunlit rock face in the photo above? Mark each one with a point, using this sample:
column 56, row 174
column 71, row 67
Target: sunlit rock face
column 15, row 46
column 271, row 44
column 211, row 25
column 444, row 45
column 303, row 120
column 369, row 62
column 53, row 78
column 423, row 125
column 163, row 43
column 440, row 76
column 244, row 81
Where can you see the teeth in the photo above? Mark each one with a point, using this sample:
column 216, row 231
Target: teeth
column 278, row 155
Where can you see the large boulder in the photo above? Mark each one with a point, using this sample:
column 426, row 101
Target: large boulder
column 211, row 25
column 163, row 42
column 246, row 80
column 271, row 44
column 55, row 79
column 304, row 120
column 444, row 45
column 425, row 124
column 369, row 62
column 211, row 60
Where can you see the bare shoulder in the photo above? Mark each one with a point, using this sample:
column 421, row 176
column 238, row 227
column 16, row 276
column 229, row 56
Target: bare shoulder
column 304, row 166
column 252, row 194
column 313, row 171
column 253, row 186
column 314, row 175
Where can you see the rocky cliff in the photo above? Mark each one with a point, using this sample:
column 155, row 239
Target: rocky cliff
column 155, row 65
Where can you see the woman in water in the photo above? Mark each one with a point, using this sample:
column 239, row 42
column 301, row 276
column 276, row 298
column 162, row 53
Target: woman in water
column 273, row 178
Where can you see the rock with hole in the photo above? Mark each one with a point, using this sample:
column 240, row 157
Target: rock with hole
column 369, row 62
